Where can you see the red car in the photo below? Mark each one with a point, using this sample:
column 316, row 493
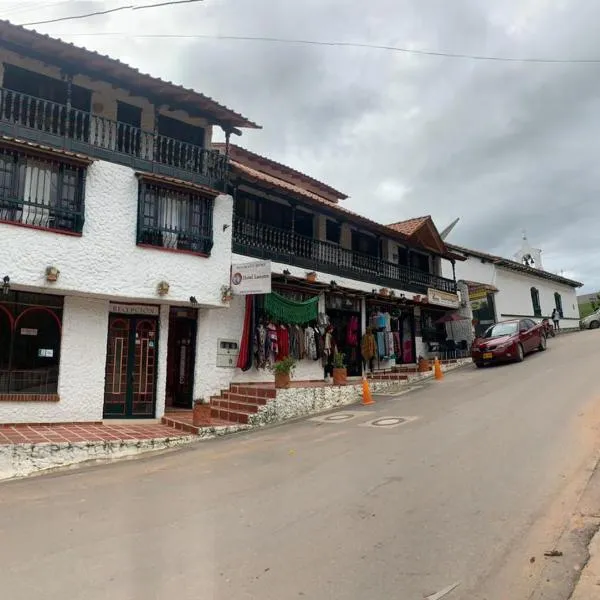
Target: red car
column 508, row 341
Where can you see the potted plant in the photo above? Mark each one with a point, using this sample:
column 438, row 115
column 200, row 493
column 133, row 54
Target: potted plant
column 340, row 373
column 424, row 365
column 201, row 414
column 312, row 276
column 283, row 370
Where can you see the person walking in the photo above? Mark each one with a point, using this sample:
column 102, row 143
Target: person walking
column 556, row 319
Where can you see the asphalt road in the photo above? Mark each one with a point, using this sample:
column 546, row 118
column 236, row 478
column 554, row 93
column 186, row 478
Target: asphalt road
column 465, row 493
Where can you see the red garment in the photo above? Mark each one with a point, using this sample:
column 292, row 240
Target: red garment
column 283, row 342
column 352, row 331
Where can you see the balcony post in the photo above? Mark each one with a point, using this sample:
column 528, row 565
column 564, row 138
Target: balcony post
column 155, row 135
column 454, row 271
column 68, row 120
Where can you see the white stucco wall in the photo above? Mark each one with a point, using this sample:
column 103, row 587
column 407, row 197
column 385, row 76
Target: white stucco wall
column 81, row 371
column 514, row 296
column 105, row 260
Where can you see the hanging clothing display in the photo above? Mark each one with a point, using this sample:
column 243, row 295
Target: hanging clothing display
column 368, row 346
column 285, row 310
column 244, row 361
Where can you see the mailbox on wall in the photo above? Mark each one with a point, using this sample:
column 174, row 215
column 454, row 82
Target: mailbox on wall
column 227, row 353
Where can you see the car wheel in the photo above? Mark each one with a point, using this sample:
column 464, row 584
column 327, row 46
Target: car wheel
column 520, row 353
column 479, row 365
column 594, row 324
column 543, row 343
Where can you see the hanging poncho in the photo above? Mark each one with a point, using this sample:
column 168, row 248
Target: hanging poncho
column 285, row 310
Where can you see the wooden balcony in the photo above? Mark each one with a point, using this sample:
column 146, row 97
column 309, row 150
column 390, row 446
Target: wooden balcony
column 262, row 241
column 45, row 122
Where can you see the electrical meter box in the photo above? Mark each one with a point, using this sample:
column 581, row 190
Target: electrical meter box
column 227, row 353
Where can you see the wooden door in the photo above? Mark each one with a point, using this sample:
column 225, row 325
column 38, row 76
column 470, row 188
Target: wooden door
column 130, row 382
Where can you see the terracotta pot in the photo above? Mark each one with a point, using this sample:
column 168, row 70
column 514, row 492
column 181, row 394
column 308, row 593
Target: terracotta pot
column 201, row 414
column 340, row 376
column 424, row 365
column 282, row 380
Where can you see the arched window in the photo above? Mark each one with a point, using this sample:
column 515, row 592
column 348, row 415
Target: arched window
column 30, row 336
column 558, row 304
column 535, row 301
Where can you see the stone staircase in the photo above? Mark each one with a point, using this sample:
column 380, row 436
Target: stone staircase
column 240, row 402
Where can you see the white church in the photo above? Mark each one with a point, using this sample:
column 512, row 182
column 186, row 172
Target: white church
column 501, row 288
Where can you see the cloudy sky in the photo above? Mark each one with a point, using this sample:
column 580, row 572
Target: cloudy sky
column 505, row 146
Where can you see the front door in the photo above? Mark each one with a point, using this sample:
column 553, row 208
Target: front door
column 130, row 383
column 180, row 360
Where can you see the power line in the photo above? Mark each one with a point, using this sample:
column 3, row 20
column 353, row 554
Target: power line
column 303, row 42
column 110, row 10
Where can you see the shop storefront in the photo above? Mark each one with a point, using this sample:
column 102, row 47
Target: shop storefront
column 393, row 326
column 344, row 316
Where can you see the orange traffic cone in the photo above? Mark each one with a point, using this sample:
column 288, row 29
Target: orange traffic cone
column 366, row 393
column 437, row 370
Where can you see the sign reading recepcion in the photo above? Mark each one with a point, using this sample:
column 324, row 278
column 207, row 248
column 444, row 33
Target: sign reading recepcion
column 442, row 298
column 251, row 278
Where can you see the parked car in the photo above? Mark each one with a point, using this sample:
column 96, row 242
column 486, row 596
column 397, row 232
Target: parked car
column 508, row 341
column 591, row 321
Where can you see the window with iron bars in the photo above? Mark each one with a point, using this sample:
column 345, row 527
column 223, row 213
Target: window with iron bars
column 41, row 192
column 174, row 219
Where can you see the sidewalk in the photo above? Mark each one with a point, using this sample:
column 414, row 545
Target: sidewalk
column 28, row 449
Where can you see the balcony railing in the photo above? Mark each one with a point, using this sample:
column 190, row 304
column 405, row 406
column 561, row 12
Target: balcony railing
column 43, row 121
column 263, row 241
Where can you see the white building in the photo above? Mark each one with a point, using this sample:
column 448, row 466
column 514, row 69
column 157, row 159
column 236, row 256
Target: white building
column 502, row 289
column 351, row 266
column 115, row 230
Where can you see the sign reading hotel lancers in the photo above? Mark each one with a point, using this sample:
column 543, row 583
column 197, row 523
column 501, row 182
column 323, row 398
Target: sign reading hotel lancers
column 251, row 278
column 442, row 298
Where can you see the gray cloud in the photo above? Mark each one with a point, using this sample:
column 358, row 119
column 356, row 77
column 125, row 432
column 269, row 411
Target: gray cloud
column 505, row 146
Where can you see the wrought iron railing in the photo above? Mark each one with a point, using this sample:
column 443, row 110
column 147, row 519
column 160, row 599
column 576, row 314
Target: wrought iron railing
column 45, row 121
column 263, row 241
column 174, row 220
column 40, row 192
column 32, row 381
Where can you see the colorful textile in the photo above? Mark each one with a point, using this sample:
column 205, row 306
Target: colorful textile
column 368, row 346
column 289, row 311
column 283, row 342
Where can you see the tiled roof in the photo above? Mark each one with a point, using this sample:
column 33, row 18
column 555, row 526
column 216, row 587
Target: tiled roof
column 299, row 192
column 32, row 42
column 16, row 142
column 234, row 149
column 409, row 226
column 514, row 265
column 475, row 286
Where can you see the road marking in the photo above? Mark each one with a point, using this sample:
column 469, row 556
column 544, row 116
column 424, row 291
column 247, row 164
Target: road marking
column 340, row 417
column 439, row 595
column 387, row 422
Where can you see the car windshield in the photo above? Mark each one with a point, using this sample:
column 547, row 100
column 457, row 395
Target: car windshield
column 501, row 329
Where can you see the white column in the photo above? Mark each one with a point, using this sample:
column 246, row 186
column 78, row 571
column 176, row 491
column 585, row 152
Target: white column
column 163, row 348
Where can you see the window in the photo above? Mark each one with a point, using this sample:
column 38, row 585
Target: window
column 333, row 231
column 558, row 304
column 41, row 192
column 175, row 219
column 535, row 301
column 30, row 335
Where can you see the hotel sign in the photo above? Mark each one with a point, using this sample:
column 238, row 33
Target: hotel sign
column 442, row 298
column 251, row 278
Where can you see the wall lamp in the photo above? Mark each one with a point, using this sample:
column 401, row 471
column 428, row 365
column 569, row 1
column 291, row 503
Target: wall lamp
column 6, row 285
column 193, row 300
